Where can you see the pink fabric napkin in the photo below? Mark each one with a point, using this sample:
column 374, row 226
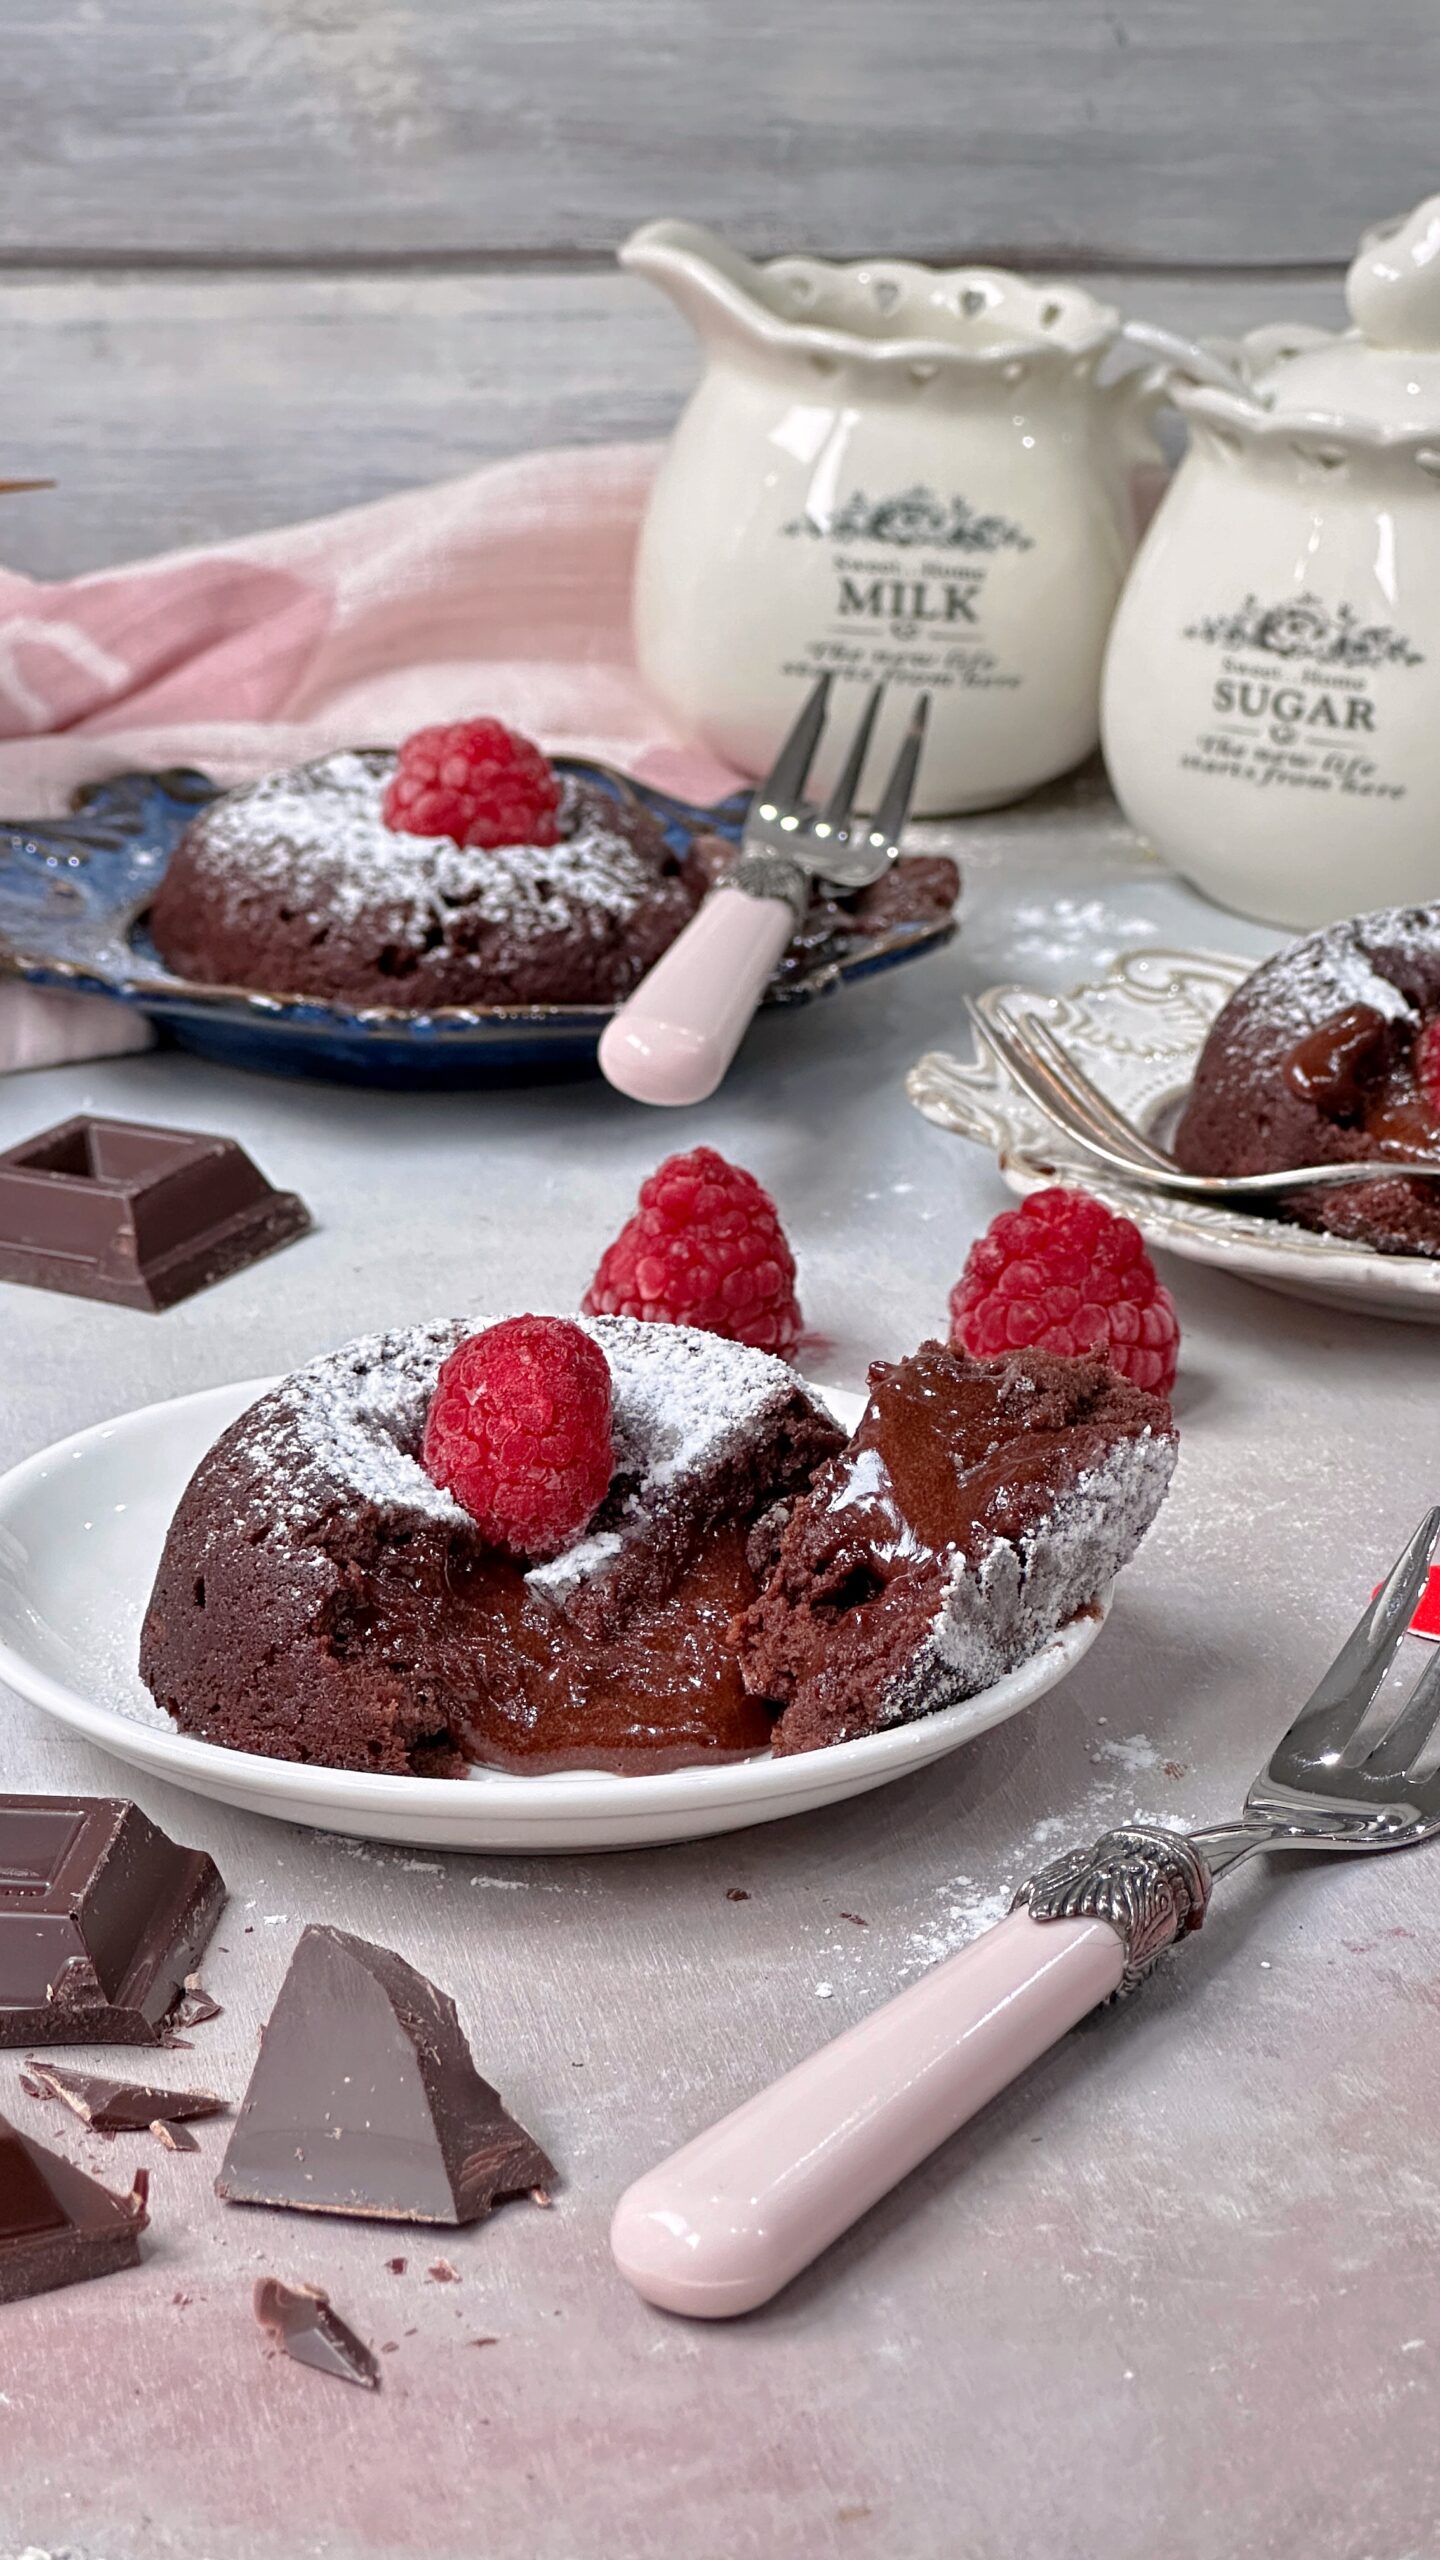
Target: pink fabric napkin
column 507, row 591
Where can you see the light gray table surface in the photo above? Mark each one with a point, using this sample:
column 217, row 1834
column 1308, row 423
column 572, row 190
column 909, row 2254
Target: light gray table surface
column 1173, row 2294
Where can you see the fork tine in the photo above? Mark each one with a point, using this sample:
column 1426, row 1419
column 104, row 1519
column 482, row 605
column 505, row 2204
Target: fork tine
column 784, row 784
column 1403, row 1745
column 1052, row 1099
column 1332, row 1715
column 842, row 798
column 1099, row 1106
column 893, row 807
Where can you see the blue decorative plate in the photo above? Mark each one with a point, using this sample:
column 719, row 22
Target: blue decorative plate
column 75, row 891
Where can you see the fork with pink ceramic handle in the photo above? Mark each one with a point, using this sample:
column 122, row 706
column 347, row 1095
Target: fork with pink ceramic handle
column 673, row 1039
column 726, row 2222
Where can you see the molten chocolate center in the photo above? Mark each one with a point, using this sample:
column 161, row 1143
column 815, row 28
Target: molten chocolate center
column 1331, row 1066
column 528, row 1688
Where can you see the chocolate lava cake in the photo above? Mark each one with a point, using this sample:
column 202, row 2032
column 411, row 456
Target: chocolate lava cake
column 320, row 1599
column 979, row 1506
column 1314, row 1061
column 297, row 886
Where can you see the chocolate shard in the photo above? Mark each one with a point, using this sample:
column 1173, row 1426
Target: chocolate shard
column 365, row 2099
column 173, row 2136
column 101, row 1917
column 136, row 1215
column 300, row 2320
column 122, row 2106
column 56, row 2225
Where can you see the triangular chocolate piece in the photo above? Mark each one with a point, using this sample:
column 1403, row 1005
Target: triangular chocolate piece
column 365, row 2099
column 56, row 2225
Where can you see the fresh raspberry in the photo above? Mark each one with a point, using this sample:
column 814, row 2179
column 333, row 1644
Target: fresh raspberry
column 1062, row 1273
column 519, row 1431
column 1427, row 1062
column 476, row 781
column 705, row 1247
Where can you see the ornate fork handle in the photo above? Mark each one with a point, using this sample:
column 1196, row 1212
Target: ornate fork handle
column 1151, row 1885
column 762, row 873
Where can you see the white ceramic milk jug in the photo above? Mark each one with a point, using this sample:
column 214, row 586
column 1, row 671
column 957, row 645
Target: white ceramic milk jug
column 1272, row 688
column 891, row 471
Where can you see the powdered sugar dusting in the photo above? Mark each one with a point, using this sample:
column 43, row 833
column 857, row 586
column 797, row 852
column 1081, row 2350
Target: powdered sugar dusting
column 346, row 1429
column 1348, row 963
column 314, row 841
column 999, row 1611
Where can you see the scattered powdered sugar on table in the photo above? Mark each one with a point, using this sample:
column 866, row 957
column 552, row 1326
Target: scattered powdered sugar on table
column 963, row 1906
column 316, row 841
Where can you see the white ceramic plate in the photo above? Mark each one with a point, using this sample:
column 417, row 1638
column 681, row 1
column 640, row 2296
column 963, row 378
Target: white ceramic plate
column 1138, row 1033
column 81, row 1530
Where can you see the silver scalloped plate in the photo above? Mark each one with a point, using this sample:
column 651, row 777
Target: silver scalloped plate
column 1138, row 1032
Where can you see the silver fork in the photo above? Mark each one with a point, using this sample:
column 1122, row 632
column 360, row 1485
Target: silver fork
column 731, row 2218
column 672, row 1040
column 1048, row 1076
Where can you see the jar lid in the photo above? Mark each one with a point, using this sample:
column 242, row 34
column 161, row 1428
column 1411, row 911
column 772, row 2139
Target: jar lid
column 1385, row 369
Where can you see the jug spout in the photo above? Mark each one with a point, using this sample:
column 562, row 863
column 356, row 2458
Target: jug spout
column 716, row 289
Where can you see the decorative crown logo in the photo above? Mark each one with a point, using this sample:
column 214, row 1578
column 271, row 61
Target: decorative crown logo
column 1305, row 628
column 915, row 516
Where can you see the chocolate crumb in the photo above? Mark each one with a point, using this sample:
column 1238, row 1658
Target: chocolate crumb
column 440, row 2271
column 855, row 1917
column 195, row 2007
column 736, row 1893
column 397, row 2266
column 484, row 2342
column 173, row 2136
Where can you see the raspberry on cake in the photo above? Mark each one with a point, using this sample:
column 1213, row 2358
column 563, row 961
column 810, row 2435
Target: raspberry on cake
column 1327, row 1054
column 705, row 1247
column 475, row 781
column 979, row 1506
column 1063, row 1273
column 518, row 1430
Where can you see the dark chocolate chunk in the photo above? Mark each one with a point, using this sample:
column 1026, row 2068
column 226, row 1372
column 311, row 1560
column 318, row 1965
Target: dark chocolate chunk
column 140, row 1216
column 101, row 1916
column 56, row 2225
column 123, row 2106
column 365, row 2099
column 302, row 2324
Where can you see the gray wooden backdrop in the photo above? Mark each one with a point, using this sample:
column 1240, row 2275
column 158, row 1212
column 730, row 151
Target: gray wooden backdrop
column 261, row 257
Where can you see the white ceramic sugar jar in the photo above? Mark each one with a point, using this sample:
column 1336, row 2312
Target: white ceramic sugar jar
column 1272, row 686
column 890, row 470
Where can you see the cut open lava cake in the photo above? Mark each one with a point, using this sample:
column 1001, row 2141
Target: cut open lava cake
column 749, row 1578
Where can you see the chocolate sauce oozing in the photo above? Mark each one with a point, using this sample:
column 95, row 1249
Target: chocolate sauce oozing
column 1344, row 1068
column 545, row 1693
column 1332, row 1066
